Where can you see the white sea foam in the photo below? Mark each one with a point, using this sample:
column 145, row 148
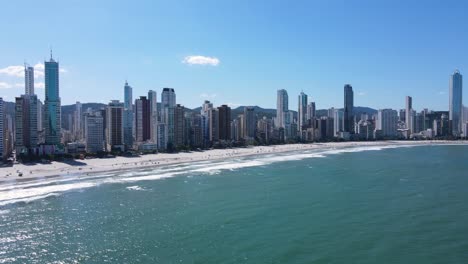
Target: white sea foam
column 135, row 188
column 31, row 194
column 230, row 166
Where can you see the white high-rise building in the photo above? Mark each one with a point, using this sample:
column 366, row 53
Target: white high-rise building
column 26, row 136
column 281, row 108
column 94, row 125
column 153, row 101
column 302, row 110
column 28, row 80
column 455, row 102
column 205, row 121
column 387, row 122
column 128, row 116
column 311, row 111
column 338, row 117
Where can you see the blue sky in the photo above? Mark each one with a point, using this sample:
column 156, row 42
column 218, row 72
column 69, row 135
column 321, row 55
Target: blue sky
column 385, row 49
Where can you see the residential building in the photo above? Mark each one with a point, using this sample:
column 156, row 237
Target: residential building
column 128, row 116
column 94, row 125
column 224, row 122
column 282, row 107
column 28, row 80
column 114, row 126
column 348, row 117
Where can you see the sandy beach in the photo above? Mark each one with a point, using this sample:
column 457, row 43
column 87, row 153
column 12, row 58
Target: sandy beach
column 92, row 166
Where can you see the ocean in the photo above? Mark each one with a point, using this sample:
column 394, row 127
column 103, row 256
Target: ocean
column 395, row 204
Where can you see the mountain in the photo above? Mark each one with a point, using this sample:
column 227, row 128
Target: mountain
column 358, row 110
column 270, row 113
column 261, row 112
column 70, row 109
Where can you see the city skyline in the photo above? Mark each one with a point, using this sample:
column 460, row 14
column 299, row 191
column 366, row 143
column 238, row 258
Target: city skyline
column 299, row 54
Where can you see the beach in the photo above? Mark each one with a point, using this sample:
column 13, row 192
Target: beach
column 93, row 166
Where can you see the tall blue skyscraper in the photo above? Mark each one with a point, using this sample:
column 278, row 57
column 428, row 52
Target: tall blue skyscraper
column 128, row 116
column 52, row 103
column 348, row 119
column 302, row 110
column 455, row 102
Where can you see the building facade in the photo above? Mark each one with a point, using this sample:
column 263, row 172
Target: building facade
column 455, row 103
column 114, row 126
column 282, row 107
column 128, row 116
column 52, row 112
column 302, row 110
column 28, row 80
column 348, row 118
column 94, row 124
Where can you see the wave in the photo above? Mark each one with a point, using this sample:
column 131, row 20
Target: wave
column 42, row 188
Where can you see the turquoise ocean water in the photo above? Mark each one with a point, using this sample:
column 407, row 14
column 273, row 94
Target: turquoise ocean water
column 356, row 205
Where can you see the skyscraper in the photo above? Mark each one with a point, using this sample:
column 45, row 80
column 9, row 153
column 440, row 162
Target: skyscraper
column 224, row 116
column 455, row 103
column 26, row 137
column 213, row 118
column 128, row 116
column 142, row 119
column 179, row 126
column 311, row 111
column 302, row 110
column 205, row 122
column 114, row 126
column 78, row 131
column 168, row 101
column 28, row 80
column 387, row 122
column 409, row 114
column 348, row 118
column 338, row 126
column 281, row 108
column 153, row 101
column 250, row 123
column 94, row 125
column 52, row 113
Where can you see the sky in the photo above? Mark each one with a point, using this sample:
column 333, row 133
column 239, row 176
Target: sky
column 239, row 52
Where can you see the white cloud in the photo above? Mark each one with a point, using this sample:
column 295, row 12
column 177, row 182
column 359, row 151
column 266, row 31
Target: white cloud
column 4, row 85
column 441, row 92
column 201, row 60
column 361, row 93
column 18, row 70
column 15, row 70
column 207, row 96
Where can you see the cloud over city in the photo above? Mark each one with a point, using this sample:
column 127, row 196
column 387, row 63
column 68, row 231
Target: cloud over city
column 201, row 60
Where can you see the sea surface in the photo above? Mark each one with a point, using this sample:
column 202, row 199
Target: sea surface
column 354, row 205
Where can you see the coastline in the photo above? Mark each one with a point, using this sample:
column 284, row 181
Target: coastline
column 94, row 166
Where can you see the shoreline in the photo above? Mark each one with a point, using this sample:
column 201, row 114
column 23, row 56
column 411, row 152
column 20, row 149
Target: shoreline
column 83, row 168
